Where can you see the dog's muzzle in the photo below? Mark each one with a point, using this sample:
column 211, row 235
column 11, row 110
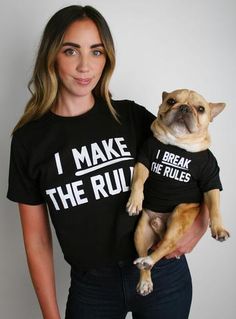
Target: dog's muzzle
column 184, row 108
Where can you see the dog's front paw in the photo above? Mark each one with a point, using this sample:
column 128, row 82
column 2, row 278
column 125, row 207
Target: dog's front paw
column 134, row 205
column 219, row 233
column 144, row 262
column 145, row 287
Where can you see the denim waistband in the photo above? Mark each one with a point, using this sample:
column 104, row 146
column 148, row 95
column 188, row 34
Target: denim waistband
column 126, row 263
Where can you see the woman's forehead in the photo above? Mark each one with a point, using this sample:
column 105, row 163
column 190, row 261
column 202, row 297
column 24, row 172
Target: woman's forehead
column 82, row 32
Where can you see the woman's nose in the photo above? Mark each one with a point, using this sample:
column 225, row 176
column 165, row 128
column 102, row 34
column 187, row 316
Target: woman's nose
column 83, row 64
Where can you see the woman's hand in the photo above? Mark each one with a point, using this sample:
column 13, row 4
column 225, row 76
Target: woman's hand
column 193, row 235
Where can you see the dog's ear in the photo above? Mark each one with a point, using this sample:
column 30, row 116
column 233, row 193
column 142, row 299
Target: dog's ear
column 164, row 95
column 216, row 108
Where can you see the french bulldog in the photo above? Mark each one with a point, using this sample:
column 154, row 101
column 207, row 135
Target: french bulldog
column 175, row 172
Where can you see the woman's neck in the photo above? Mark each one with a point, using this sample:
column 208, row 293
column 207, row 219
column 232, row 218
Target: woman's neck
column 73, row 106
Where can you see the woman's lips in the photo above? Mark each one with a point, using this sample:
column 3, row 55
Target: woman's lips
column 83, row 81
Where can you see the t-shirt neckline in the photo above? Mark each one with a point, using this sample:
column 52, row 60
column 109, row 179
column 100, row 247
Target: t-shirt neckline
column 93, row 109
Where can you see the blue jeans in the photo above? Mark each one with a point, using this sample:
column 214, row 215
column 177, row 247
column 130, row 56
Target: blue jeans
column 110, row 292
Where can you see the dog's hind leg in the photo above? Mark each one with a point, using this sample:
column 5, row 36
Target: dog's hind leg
column 179, row 222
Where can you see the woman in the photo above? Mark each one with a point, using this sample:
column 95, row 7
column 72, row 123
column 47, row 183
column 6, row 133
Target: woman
column 73, row 151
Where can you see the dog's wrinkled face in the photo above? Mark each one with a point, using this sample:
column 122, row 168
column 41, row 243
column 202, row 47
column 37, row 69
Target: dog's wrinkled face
column 185, row 114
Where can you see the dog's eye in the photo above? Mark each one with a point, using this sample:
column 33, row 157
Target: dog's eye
column 171, row 101
column 201, row 109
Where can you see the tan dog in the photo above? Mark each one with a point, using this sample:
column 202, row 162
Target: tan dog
column 179, row 156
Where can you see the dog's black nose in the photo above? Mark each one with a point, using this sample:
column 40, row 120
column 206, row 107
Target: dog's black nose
column 184, row 108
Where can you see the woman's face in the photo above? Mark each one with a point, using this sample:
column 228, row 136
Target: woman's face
column 81, row 59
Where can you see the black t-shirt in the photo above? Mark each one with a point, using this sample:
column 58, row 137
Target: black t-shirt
column 81, row 168
column 176, row 176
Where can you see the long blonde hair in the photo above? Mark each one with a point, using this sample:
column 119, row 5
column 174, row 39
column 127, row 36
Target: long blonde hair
column 44, row 82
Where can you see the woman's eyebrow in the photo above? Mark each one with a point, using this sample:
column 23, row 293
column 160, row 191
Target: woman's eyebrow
column 96, row 45
column 78, row 46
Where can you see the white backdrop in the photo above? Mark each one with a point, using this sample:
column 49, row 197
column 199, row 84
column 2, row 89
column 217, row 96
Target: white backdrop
column 161, row 45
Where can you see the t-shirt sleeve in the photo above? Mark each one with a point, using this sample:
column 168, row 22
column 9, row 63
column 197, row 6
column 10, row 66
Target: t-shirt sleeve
column 148, row 118
column 143, row 120
column 145, row 153
column 22, row 187
column 210, row 175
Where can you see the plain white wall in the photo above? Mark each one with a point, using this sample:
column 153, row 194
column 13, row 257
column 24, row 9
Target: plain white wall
column 161, row 45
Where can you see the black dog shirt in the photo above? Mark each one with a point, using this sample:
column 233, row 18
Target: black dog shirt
column 176, row 175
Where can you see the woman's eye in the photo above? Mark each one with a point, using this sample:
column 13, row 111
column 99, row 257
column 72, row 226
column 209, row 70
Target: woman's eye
column 70, row 52
column 97, row 53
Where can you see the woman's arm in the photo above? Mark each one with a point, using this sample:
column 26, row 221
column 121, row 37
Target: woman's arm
column 193, row 235
column 38, row 246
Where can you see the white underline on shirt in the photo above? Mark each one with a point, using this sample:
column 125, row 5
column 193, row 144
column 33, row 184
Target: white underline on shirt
column 94, row 168
column 173, row 165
